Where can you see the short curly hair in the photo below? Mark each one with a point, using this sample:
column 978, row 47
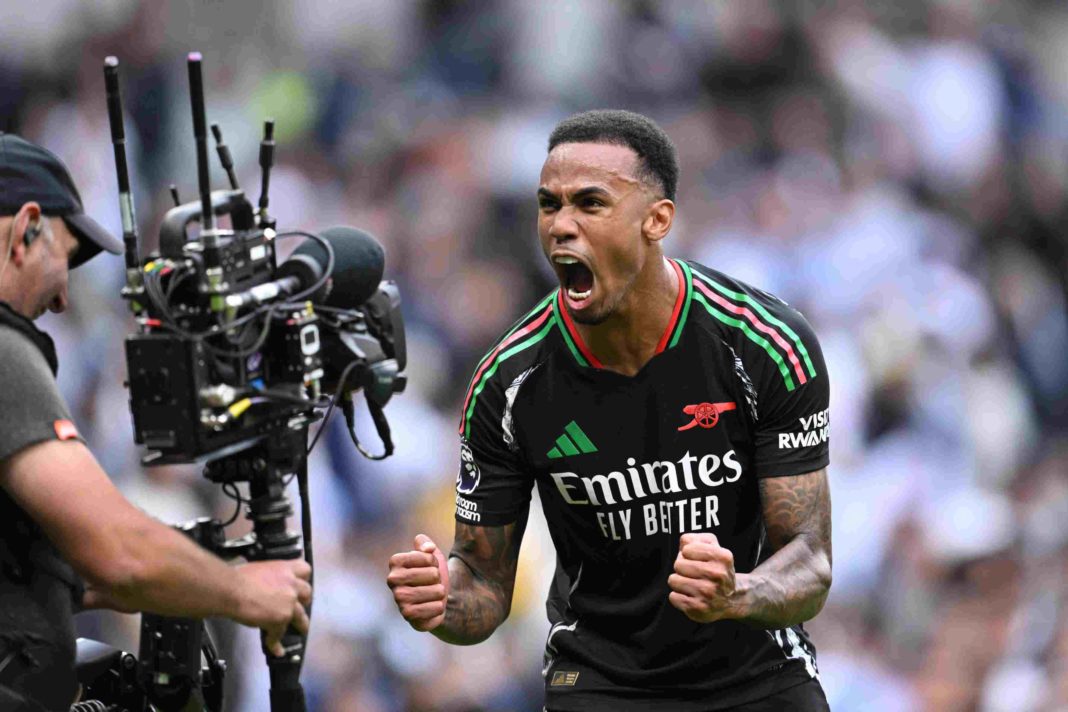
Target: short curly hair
column 658, row 159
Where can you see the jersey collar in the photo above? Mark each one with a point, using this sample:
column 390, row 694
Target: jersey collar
column 582, row 354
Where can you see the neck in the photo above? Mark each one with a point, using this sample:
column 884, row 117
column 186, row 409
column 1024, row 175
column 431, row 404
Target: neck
column 14, row 297
column 625, row 341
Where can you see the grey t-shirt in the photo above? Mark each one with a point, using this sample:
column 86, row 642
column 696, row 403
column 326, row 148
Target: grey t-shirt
column 36, row 586
column 31, row 408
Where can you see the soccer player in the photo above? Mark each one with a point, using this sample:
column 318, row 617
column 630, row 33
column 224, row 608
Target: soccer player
column 675, row 423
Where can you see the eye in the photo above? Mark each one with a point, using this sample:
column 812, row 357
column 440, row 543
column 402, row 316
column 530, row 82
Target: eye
column 547, row 206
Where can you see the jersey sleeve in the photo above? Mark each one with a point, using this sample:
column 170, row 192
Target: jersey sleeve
column 31, row 408
column 493, row 487
column 792, row 429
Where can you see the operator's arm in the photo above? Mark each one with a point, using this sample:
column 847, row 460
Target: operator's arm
column 133, row 562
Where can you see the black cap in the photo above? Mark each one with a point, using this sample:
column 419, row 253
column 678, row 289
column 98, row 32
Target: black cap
column 31, row 173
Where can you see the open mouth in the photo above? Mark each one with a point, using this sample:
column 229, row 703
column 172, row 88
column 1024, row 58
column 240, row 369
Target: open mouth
column 576, row 277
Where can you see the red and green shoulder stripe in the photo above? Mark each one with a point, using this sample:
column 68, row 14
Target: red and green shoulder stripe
column 761, row 318
column 521, row 336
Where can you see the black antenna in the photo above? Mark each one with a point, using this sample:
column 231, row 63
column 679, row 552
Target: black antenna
column 266, row 161
column 224, row 155
column 200, row 133
column 174, row 195
column 126, row 205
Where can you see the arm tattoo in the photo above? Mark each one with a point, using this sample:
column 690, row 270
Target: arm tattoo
column 482, row 568
column 797, row 506
column 791, row 586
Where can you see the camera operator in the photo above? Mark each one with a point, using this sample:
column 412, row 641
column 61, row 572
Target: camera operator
column 61, row 518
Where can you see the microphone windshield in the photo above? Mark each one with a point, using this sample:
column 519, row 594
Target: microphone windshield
column 359, row 262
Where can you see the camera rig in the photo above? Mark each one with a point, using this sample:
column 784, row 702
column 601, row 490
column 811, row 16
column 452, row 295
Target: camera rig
column 234, row 358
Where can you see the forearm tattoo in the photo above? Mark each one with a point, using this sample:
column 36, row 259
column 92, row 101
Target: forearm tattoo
column 482, row 567
column 791, row 586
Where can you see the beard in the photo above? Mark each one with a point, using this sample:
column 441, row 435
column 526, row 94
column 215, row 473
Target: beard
column 590, row 319
column 594, row 317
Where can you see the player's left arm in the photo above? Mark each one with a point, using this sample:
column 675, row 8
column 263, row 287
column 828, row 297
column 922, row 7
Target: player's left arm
column 788, row 588
column 791, row 451
column 791, row 586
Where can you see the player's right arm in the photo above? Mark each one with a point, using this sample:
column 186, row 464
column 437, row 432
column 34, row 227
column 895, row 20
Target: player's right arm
column 464, row 599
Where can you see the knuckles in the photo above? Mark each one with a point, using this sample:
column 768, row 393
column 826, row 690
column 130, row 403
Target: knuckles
column 699, row 537
column 422, row 594
column 700, row 551
column 714, row 583
column 424, row 616
column 718, row 573
column 411, row 560
column 420, row 576
column 708, row 570
column 425, row 625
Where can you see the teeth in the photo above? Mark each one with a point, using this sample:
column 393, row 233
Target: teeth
column 565, row 260
column 579, row 296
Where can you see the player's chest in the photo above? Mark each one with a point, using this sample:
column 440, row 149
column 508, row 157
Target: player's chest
column 687, row 411
column 638, row 459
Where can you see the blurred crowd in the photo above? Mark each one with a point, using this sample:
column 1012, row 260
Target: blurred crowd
column 898, row 170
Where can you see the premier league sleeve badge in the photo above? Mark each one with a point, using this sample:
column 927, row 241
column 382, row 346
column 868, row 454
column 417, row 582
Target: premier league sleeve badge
column 468, row 476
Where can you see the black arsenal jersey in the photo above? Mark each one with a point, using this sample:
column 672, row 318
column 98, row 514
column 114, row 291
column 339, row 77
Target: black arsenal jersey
column 737, row 391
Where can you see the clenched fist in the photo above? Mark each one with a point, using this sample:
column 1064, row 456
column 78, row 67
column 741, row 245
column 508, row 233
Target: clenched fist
column 420, row 583
column 702, row 586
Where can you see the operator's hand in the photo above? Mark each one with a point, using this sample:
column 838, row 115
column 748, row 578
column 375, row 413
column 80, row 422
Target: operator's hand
column 702, row 586
column 420, row 583
column 274, row 594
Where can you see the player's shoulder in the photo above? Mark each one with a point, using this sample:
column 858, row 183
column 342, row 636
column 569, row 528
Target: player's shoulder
column 721, row 287
column 524, row 342
column 763, row 329
column 513, row 356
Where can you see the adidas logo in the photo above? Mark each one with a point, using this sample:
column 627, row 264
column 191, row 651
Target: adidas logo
column 572, row 442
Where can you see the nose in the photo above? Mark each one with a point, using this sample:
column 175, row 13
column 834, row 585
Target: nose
column 563, row 227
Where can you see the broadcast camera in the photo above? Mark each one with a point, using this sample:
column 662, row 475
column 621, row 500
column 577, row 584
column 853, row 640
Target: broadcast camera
column 234, row 357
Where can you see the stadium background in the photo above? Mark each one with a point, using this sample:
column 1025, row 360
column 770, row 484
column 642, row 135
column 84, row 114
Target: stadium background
column 897, row 170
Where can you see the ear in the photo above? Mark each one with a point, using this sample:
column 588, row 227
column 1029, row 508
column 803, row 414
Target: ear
column 28, row 216
column 657, row 223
